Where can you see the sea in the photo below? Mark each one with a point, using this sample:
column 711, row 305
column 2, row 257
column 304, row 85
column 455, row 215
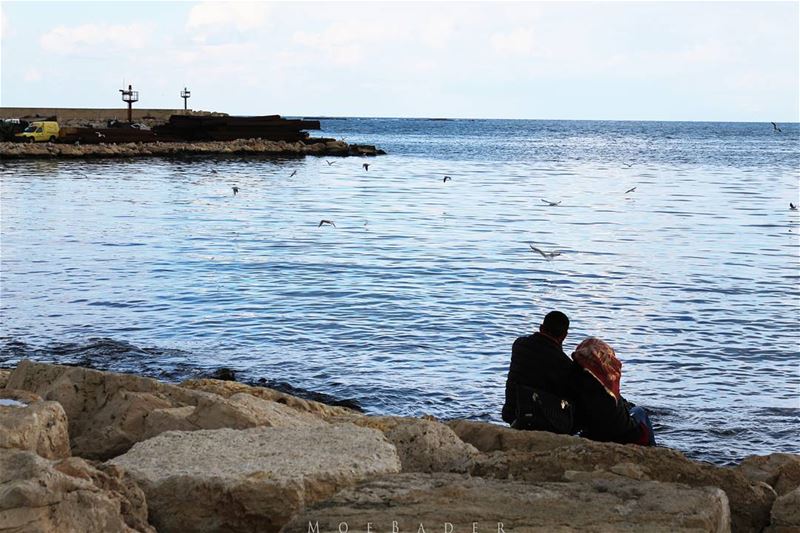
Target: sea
column 672, row 241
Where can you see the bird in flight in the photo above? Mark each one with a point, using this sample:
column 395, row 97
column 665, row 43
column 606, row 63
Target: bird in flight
column 326, row 222
column 628, row 165
column 235, row 190
column 551, row 204
column 447, row 178
column 775, row 128
column 294, row 172
column 213, row 171
column 632, row 189
column 546, row 255
column 330, row 162
column 366, row 166
column 792, row 206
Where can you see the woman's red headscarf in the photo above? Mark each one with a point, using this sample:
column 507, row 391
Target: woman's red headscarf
column 599, row 359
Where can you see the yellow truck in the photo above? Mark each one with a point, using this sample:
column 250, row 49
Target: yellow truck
column 46, row 130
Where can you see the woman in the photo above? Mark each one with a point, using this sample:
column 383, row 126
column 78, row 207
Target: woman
column 602, row 413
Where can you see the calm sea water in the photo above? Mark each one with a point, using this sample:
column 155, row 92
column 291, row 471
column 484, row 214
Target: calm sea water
column 410, row 304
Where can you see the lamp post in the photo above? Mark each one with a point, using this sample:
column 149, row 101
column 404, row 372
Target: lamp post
column 130, row 96
column 185, row 94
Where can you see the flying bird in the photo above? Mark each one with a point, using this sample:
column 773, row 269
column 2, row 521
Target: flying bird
column 366, row 166
column 324, row 222
column 447, row 178
column 551, row 204
column 628, row 165
column 330, row 162
column 294, row 172
column 214, row 171
column 235, row 190
column 546, row 255
column 775, row 128
column 632, row 189
column 792, row 206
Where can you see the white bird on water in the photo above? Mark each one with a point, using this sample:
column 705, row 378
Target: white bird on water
column 551, row 204
column 546, row 255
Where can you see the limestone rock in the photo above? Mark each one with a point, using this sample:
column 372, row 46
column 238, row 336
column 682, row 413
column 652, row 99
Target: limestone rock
column 38, row 495
column 435, row 500
column 786, row 513
column 241, row 411
column 547, row 457
column 781, row 471
column 423, row 445
column 33, row 424
column 252, row 479
column 229, row 388
column 4, row 373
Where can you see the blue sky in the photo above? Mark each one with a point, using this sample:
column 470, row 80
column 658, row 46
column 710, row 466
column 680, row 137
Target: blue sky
column 726, row 61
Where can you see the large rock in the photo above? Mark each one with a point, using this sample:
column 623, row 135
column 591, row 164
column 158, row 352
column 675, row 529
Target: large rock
column 38, row 495
column 28, row 423
column 423, row 445
column 110, row 412
column 252, row 479
column 229, row 388
column 781, row 471
column 4, row 373
column 537, row 456
column 449, row 502
column 786, row 513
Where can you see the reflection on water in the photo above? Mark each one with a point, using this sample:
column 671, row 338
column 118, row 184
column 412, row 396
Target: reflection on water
column 411, row 303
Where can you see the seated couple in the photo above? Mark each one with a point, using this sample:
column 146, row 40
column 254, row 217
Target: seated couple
column 548, row 391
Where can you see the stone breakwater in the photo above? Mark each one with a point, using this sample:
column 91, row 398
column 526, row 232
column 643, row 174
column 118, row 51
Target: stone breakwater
column 91, row 451
column 9, row 150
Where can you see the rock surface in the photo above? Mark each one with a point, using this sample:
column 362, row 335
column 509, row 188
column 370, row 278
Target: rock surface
column 11, row 150
column 433, row 500
column 423, row 445
column 785, row 516
column 781, row 471
column 4, row 373
column 110, row 412
column 535, row 456
column 229, row 388
column 34, row 425
column 67, row 496
column 252, row 479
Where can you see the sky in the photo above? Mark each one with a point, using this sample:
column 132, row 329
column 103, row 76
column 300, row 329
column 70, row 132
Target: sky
column 715, row 61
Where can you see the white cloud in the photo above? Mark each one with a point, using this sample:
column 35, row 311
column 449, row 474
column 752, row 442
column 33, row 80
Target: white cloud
column 214, row 19
column 104, row 38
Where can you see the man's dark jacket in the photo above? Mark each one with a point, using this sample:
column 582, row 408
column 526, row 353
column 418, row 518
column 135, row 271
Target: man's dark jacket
column 537, row 361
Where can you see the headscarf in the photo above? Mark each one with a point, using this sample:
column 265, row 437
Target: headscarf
column 599, row 359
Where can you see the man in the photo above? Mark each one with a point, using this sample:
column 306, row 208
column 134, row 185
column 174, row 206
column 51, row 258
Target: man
column 538, row 383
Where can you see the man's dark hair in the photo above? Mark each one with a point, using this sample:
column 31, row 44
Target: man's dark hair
column 556, row 324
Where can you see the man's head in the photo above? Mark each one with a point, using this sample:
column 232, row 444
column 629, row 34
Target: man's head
column 555, row 324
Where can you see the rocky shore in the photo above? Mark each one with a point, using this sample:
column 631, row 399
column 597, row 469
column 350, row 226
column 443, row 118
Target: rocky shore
column 320, row 147
column 89, row 451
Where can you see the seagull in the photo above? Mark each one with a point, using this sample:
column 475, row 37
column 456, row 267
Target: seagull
column 328, row 222
column 546, row 255
column 628, row 165
column 293, row 173
column 632, row 189
column 330, row 162
column 551, row 204
column 792, row 206
column 447, row 178
column 775, row 128
column 366, row 166
column 100, row 135
column 235, row 190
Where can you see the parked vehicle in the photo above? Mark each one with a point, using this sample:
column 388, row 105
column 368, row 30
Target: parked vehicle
column 9, row 127
column 40, row 131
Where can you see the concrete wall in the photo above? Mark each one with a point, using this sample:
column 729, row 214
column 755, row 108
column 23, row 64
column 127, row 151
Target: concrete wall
column 75, row 113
